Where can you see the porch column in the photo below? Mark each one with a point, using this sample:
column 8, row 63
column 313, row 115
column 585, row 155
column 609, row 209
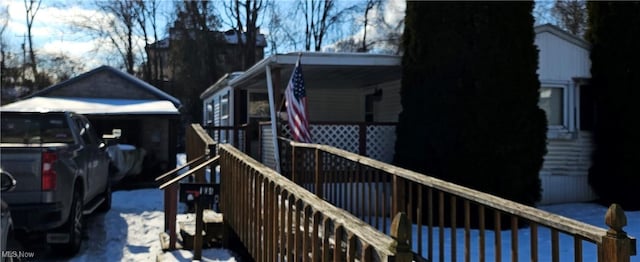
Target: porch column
column 272, row 111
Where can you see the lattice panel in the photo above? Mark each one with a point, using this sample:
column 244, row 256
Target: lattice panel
column 381, row 142
column 339, row 136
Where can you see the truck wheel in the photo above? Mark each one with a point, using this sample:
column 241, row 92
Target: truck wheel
column 73, row 227
column 106, row 205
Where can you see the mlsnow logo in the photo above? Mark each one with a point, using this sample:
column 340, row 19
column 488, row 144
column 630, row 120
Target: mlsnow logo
column 17, row 254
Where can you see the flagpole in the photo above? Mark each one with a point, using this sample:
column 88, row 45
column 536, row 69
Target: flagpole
column 283, row 100
column 272, row 110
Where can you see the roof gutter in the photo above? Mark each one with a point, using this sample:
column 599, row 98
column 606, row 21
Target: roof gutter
column 316, row 58
column 255, row 70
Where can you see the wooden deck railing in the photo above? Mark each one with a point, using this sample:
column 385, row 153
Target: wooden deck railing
column 201, row 153
column 279, row 221
column 235, row 135
column 442, row 212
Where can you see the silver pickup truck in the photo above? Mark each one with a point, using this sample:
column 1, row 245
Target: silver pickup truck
column 61, row 169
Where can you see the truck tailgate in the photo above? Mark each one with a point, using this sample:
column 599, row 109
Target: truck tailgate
column 24, row 163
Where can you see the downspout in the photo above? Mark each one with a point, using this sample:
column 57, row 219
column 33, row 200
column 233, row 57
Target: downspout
column 272, row 111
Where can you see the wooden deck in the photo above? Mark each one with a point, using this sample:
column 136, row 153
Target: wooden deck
column 332, row 205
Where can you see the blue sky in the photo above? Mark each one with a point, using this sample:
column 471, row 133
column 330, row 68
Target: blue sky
column 52, row 34
column 51, row 31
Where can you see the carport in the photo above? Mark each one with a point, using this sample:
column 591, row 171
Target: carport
column 146, row 117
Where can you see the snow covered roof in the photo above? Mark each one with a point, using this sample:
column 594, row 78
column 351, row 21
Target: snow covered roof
column 559, row 32
column 93, row 106
column 108, row 87
column 231, row 36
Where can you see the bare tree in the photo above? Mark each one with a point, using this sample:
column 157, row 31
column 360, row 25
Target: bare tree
column 31, row 7
column 571, row 15
column 60, row 67
column 246, row 14
column 369, row 6
column 9, row 67
column 118, row 25
column 125, row 14
column 389, row 31
column 195, row 49
column 147, row 15
column 281, row 34
column 377, row 33
column 4, row 21
column 319, row 17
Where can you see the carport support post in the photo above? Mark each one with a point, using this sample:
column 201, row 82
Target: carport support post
column 272, row 111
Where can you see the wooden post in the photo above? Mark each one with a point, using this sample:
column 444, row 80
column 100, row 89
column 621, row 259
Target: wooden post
column 401, row 232
column 616, row 245
column 293, row 164
column 197, row 239
column 319, row 183
column 362, row 142
column 398, row 195
column 172, row 200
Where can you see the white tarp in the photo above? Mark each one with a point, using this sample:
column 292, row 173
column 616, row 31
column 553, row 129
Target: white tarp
column 94, row 106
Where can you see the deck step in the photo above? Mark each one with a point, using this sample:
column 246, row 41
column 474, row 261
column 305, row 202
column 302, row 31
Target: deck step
column 211, row 234
column 164, row 241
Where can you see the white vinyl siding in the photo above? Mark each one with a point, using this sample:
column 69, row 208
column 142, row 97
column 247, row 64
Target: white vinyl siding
column 266, row 147
column 560, row 59
column 216, row 111
column 564, row 174
column 565, row 170
column 335, row 105
column 389, row 107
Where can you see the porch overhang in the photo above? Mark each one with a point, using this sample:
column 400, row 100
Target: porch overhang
column 322, row 70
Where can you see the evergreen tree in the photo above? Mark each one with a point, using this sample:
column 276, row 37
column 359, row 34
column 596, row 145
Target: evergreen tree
column 469, row 96
column 615, row 69
column 194, row 51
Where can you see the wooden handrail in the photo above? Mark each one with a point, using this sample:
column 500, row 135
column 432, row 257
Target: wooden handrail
column 191, row 171
column 383, row 244
column 353, row 123
column 199, row 146
column 351, row 180
column 541, row 217
column 180, row 168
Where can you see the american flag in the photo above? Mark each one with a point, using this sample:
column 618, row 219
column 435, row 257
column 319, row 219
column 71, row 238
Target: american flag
column 296, row 98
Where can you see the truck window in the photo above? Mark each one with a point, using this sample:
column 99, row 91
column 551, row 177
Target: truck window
column 30, row 129
column 86, row 131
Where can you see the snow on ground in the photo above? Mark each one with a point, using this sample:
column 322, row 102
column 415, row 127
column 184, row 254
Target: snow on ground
column 585, row 212
column 130, row 231
column 594, row 214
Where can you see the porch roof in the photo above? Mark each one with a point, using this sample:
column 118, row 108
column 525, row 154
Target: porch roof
column 320, row 70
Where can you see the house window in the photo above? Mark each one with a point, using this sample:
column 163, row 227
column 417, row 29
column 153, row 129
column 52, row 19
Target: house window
column 258, row 105
column 224, row 110
column 552, row 101
column 209, row 113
